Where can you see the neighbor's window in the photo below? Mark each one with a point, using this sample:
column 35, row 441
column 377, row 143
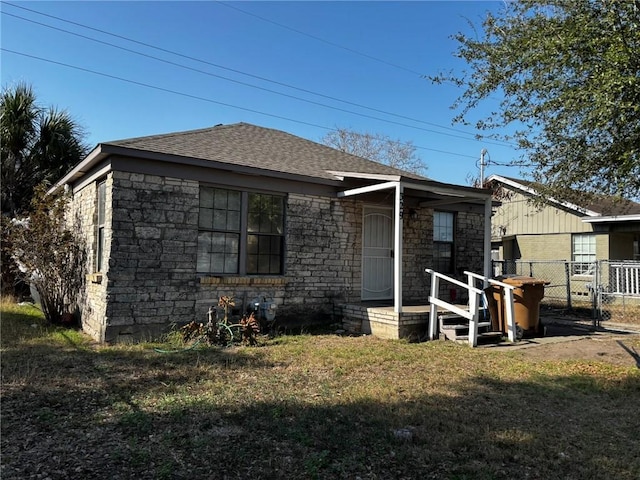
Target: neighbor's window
column 583, row 253
column 102, row 201
column 240, row 232
column 443, row 241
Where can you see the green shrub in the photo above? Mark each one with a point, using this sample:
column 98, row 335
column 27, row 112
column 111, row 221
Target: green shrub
column 49, row 255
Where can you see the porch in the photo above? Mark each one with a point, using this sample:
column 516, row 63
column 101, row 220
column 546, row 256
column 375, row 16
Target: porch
column 397, row 246
column 438, row 317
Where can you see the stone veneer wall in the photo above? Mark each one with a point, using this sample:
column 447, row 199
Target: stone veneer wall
column 470, row 242
column 322, row 264
column 323, row 254
column 469, row 252
column 93, row 300
column 417, row 254
column 150, row 279
column 151, row 241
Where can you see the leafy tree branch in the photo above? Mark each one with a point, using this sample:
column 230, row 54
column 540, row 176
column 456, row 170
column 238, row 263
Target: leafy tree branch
column 568, row 73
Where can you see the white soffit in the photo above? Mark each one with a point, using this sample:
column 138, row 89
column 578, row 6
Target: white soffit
column 612, row 218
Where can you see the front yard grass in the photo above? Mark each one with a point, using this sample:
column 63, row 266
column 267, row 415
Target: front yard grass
column 304, row 406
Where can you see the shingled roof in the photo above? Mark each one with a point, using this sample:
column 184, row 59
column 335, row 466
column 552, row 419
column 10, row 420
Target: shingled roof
column 251, row 146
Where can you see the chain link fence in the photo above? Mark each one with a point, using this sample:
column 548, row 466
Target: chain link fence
column 618, row 291
column 594, row 292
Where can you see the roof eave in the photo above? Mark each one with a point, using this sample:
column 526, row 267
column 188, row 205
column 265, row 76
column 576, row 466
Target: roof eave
column 104, row 150
column 613, row 219
column 531, row 191
column 95, row 156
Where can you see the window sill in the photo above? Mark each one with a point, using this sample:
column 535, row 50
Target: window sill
column 95, row 278
column 243, row 281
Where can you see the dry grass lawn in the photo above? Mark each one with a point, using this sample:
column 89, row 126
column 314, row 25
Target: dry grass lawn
column 308, row 406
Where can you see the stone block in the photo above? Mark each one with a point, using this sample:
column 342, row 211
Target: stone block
column 146, row 232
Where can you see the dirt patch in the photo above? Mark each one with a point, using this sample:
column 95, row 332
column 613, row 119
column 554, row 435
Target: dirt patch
column 564, row 342
column 608, row 350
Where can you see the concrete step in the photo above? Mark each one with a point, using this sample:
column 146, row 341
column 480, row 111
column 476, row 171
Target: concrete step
column 453, row 318
column 455, row 327
column 462, row 326
column 483, row 338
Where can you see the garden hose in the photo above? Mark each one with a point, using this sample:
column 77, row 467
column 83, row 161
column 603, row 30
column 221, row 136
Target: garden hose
column 191, row 347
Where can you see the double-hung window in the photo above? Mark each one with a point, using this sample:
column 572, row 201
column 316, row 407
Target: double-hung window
column 443, row 226
column 102, row 202
column 240, row 232
column 264, row 233
column 583, row 250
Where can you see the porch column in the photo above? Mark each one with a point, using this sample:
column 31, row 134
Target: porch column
column 397, row 249
column 487, row 239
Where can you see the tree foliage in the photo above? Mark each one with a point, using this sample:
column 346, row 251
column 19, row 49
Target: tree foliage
column 568, row 73
column 38, row 145
column 49, row 255
column 377, row 147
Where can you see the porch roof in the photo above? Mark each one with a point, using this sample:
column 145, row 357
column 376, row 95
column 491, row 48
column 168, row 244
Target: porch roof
column 429, row 193
column 440, row 191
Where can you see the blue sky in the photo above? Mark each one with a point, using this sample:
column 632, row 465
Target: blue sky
column 371, row 54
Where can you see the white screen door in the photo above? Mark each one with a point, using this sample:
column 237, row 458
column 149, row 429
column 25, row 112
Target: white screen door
column 377, row 253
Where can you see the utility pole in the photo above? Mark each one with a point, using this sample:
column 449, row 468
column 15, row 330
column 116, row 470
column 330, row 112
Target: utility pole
column 483, row 152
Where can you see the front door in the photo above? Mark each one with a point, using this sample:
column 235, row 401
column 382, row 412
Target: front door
column 377, row 253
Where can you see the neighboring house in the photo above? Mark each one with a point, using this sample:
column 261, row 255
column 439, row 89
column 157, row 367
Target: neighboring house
column 580, row 235
column 172, row 222
column 561, row 230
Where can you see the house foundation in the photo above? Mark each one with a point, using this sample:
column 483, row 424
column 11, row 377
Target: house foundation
column 383, row 322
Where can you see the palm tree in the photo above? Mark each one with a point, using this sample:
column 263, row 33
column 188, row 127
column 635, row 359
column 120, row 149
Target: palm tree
column 38, row 145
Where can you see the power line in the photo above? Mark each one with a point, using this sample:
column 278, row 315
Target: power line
column 300, row 32
column 204, row 99
column 312, row 102
column 250, row 75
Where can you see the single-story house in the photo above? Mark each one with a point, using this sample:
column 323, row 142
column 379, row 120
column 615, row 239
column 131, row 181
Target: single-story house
column 172, row 222
column 603, row 230
column 579, row 235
